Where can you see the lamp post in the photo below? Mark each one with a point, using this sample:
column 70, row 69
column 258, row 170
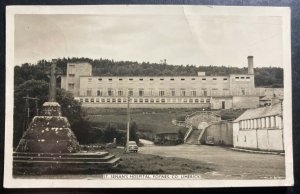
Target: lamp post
column 128, row 123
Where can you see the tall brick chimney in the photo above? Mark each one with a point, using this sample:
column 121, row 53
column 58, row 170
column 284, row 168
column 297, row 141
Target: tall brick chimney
column 250, row 65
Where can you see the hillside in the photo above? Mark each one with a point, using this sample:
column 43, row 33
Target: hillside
column 264, row 77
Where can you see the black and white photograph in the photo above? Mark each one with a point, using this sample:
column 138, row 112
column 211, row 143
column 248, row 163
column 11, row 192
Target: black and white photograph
column 114, row 96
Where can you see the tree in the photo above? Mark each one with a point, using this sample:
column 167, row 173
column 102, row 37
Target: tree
column 133, row 136
column 39, row 89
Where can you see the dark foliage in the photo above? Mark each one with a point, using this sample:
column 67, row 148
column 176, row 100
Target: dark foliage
column 39, row 89
column 264, row 77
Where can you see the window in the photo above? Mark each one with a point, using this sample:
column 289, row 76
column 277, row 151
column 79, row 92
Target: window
column 172, row 91
column 172, row 79
column 161, row 79
column 81, row 100
column 89, row 92
column 182, row 92
column 202, row 100
column 237, row 78
column 71, row 75
column 247, row 78
column 113, row 100
column 102, row 99
column 120, row 79
column 152, row 100
column 90, row 80
column 151, row 79
column 141, row 100
column 193, row 92
column 130, row 79
column 120, row 92
column 141, row 92
column 203, row 79
column 100, row 79
column 141, row 79
column 119, row 100
column 184, row 100
column 225, row 79
column 157, row 100
column 135, row 100
column 245, row 138
column 71, row 68
column 125, row 100
column 196, row 100
column 110, row 92
column 190, row 100
column 182, row 79
column 110, row 79
column 225, row 92
column 86, row 100
column 243, row 91
column 146, row 100
column 214, row 79
column 151, row 92
column 161, row 93
column 193, row 78
column 130, row 92
column 107, row 100
column 99, row 93
column 207, row 100
column 92, row 99
column 204, row 91
column 215, row 91
column 71, row 86
column 163, row 100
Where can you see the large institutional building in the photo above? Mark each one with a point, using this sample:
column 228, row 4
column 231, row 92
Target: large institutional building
column 202, row 91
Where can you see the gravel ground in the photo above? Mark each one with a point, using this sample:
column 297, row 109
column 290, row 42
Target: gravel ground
column 228, row 164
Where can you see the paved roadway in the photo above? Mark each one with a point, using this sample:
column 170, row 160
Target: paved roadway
column 228, row 164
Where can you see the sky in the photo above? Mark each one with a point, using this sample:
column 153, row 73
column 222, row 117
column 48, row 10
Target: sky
column 179, row 38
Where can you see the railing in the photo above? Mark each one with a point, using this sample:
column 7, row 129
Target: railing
column 184, row 124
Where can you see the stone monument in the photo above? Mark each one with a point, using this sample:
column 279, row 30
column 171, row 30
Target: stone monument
column 50, row 132
column 49, row 145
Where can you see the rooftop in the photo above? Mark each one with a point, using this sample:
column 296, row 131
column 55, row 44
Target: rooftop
column 261, row 112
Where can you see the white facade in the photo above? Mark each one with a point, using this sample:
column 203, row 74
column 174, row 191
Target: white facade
column 260, row 129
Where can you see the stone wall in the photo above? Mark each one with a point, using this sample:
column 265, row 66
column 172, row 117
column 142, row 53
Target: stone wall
column 240, row 102
column 221, row 133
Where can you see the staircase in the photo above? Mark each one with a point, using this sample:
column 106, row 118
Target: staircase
column 193, row 137
column 70, row 162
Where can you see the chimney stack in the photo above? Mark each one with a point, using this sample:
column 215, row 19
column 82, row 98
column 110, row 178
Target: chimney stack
column 250, row 65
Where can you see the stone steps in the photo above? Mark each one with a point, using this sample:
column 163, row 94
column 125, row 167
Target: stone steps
column 64, row 162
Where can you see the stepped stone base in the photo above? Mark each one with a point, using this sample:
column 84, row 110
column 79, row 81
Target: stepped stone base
column 48, row 163
column 50, row 146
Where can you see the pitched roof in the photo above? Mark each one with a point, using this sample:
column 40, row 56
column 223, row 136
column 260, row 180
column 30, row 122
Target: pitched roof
column 260, row 112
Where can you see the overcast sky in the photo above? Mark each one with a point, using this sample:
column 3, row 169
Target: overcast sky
column 178, row 38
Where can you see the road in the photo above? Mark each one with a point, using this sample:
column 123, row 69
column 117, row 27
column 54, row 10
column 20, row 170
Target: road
column 228, row 164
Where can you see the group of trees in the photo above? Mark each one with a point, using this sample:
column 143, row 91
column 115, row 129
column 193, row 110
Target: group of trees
column 264, row 77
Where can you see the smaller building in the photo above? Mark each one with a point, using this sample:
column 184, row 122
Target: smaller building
column 260, row 129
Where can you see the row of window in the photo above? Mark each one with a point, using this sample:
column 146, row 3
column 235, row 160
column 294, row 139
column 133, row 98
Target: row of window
column 145, row 100
column 242, row 78
column 160, row 92
column 152, row 79
column 264, row 122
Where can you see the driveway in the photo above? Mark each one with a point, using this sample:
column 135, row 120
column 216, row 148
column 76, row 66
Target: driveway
column 228, row 164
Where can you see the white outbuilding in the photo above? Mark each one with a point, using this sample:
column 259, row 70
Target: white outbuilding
column 260, row 129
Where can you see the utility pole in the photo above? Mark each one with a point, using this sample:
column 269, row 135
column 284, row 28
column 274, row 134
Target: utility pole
column 27, row 110
column 128, row 123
